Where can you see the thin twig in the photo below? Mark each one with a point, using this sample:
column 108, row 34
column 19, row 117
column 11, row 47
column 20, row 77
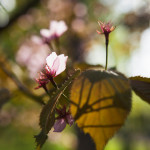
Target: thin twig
column 22, row 88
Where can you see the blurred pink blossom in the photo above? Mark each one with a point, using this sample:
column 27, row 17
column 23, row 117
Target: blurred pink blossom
column 32, row 54
column 64, row 117
column 56, row 29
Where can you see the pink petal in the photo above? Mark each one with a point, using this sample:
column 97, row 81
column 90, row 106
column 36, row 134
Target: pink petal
column 53, row 28
column 59, row 125
column 70, row 119
column 50, row 59
column 56, row 29
column 55, row 66
column 62, row 65
column 45, row 33
column 36, row 39
column 62, row 27
column 53, row 24
column 98, row 32
column 24, row 55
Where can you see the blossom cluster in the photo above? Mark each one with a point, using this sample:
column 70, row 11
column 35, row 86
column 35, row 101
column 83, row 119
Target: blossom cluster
column 33, row 52
column 34, row 55
column 54, row 64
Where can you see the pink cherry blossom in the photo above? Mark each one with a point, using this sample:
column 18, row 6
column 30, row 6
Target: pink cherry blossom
column 55, row 64
column 56, row 29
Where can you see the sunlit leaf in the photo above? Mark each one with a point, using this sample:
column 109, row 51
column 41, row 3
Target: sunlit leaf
column 141, row 87
column 84, row 66
column 103, row 100
column 47, row 116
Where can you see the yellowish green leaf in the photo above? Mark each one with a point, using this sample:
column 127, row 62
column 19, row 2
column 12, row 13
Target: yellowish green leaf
column 103, row 102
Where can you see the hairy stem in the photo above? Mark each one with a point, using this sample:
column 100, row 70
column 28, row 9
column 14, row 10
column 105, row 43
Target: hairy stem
column 107, row 42
column 53, row 82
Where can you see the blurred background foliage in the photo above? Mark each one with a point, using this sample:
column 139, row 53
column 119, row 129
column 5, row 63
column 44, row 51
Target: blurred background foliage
column 129, row 52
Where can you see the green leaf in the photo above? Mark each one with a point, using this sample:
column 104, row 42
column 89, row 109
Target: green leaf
column 103, row 101
column 40, row 139
column 47, row 116
column 141, row 86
